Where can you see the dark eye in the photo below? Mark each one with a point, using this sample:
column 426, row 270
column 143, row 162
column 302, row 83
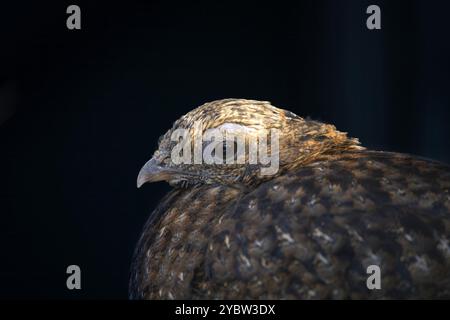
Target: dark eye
column 225, row 148
column 229, row 151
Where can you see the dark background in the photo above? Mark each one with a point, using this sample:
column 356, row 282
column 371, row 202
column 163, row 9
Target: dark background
column 81, row 111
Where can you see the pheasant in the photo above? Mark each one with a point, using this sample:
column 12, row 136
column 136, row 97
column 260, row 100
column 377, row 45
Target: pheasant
column 310, row 230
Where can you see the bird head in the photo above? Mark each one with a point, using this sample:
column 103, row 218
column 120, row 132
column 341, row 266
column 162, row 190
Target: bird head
column 239, row 142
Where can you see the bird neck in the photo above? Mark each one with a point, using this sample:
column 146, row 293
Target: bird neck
column 315, row 142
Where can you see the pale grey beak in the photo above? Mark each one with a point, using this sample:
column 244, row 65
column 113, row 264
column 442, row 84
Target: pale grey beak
column 152, row 171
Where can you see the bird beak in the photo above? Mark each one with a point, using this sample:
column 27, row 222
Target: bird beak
column 152, row 171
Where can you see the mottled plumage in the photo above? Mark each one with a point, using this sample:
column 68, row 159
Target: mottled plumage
column 308, row 232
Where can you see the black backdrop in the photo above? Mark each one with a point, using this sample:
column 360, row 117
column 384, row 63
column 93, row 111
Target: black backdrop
column 81, row 111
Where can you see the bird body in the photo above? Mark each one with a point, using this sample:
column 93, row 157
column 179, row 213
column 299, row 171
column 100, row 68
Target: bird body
column 308, row 232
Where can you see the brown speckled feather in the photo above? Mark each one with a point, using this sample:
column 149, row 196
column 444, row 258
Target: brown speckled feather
column 309, row 233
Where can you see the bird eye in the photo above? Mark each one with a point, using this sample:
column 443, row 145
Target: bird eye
column 229, row 151
column 225, row 148
column 228, row 154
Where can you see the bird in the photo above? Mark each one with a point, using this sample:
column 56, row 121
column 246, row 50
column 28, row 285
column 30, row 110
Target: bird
column 313, row 230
